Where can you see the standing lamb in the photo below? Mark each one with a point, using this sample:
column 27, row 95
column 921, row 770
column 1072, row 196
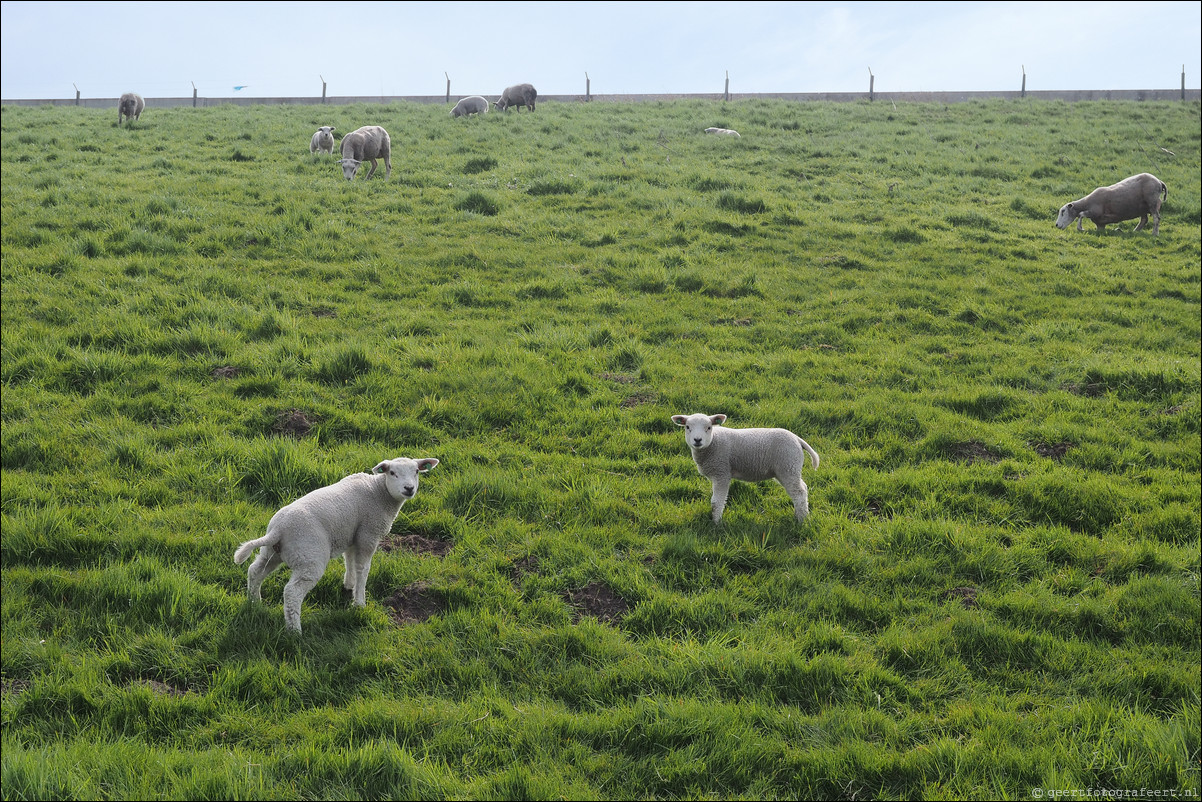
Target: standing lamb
column 470, row 105
column 130, row 106
column 1137, row 196
column 368, row 143
column 517, row 95
column 751, row 455
column 323, row 140
column 349, row 517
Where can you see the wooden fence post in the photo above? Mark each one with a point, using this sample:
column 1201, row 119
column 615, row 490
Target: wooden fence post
column 323, row 88
column 1024, row 80
column 726, row 92
column 588, row 89
column 77, row 88
column 193, row 94
column 871, row 82
column 448, row 87
column 1183, row 82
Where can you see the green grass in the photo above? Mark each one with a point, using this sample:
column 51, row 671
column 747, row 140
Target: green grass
column 998, row 587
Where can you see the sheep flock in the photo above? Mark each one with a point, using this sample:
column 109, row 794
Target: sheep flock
column 350, row 517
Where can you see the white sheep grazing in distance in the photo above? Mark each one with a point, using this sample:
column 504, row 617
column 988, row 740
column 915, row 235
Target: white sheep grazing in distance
column 722, row 131
column 368, row 143
column 470, row 105
column 131, row 105
column 349, row 517
column 1137, row 196
column 750, row 455
column 323, row 139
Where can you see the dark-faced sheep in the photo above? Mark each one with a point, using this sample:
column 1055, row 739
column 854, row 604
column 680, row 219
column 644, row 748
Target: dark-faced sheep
column 517, row 95
column 323, row 139
column 368, row 143
column 1137, row 196
column 130, row 107
column 470, row 105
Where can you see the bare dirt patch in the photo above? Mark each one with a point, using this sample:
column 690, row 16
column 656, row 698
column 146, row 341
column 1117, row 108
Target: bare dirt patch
column 973, row 451
column 414, row 603
column 521, row 567
column 598, row 601
column 164, row 689
column 417, row 544
column 873, row 508
column 1052, row 450
column 293, row 423
column 1087, row 389
column 639, row 398
column 965, row 595
column 226, row 372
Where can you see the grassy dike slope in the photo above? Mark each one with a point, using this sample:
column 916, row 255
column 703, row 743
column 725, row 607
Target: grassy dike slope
column 998, row 588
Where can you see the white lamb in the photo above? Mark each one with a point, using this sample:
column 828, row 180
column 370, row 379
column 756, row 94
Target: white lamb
column 751, row 455
column 349, row 517
column 323, row 139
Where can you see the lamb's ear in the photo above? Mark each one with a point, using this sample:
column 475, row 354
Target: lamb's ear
column 383, row 466
column 425, row 464
column 679, row 420
column 717, row 419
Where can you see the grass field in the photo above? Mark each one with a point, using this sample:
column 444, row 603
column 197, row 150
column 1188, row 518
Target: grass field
column 996, row 595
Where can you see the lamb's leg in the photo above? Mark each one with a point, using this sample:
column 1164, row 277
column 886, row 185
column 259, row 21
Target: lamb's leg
column 263, row 566
column 298, row 587
column 718, row 499
column 348, row 576
column 1156, row 224
column 362, row 569
column 372, row 171
column 1143, row 221
column 800, row 495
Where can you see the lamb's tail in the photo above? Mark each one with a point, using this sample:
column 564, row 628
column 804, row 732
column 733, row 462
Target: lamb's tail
column 246, row 548
column 813, row 454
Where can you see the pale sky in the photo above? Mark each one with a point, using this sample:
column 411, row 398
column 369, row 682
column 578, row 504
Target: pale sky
column 279, row 49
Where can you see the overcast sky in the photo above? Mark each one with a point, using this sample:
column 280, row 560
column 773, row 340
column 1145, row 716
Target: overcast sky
column 279, row 49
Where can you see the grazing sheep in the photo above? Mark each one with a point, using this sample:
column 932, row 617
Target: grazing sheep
column 517, row 95
column 722, row 131
column 348, row 517
column 130, row 106
column 470, row 105
column 323, row 140
column 752, row 455
column 368, row 143
column 1137, row 196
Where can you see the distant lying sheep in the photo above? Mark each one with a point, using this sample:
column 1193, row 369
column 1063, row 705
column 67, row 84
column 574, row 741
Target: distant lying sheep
column 323, row 140
column 751, row 455
column 470, row 105
column 517, row 95
column 368, row 143
column 349, row 517
column 130, row 106
column 1137, row 196
column 722, row 131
